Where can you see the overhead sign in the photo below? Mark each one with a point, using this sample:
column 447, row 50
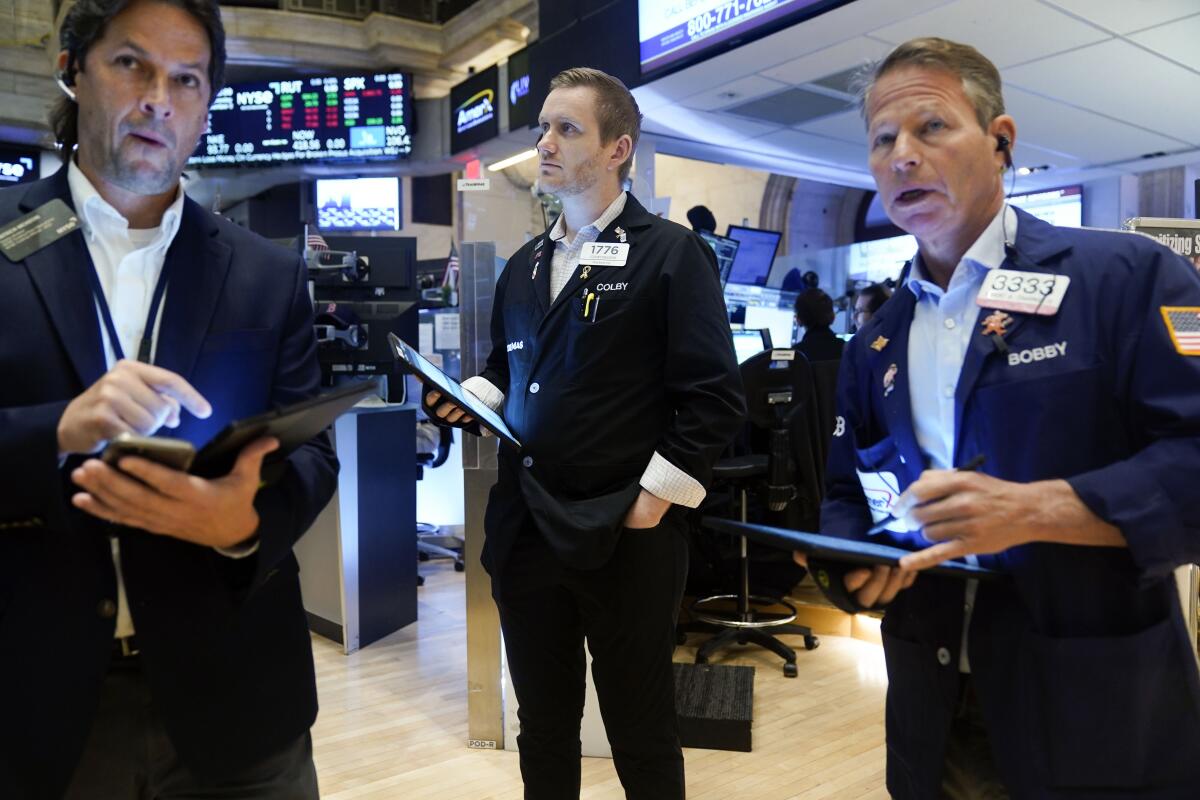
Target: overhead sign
column 521, row 113
column 18, row 165
column 475, row 115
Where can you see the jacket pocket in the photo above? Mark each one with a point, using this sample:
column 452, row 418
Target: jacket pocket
column 1117, row 711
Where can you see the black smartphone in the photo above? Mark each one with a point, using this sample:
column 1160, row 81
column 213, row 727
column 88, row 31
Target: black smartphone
column 173, row 453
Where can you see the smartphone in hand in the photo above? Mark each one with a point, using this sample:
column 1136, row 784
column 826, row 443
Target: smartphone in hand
column 172, row 453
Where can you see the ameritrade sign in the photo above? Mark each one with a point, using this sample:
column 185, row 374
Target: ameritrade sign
column 478, row 109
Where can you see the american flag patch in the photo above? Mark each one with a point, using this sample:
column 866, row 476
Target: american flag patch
column 1183, row 323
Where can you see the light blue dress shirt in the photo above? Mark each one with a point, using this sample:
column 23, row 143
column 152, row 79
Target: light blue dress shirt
column 943, row 323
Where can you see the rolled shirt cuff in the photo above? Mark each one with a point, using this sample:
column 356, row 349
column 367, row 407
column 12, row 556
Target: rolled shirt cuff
column 486, row 391
column 664, row 479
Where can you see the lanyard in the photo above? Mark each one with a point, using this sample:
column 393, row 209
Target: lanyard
column 147, row 343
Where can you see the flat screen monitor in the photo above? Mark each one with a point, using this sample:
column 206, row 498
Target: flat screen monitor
column 358, row 204
column 725, row 250
column 781, row 322
column 328, row 118
column 755, row 254
column 672, row 33
column 1063, row 206
column 474, row 111
column 18, row 164
column 748, row 342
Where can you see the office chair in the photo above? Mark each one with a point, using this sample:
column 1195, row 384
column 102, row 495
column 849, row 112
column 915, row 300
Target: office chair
column 430, row 541
column 780, row 408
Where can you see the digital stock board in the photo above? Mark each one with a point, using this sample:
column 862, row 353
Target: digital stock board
column 350, row 117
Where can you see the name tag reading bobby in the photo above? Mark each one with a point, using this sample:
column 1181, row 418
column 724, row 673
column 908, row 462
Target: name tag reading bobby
column 40, row 228
column 1026, row 292
column 601, row 254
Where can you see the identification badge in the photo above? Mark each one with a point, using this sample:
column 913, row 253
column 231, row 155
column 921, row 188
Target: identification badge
column 882, row 490
column 602, row 254
column 1026, row 292
column 40, row 228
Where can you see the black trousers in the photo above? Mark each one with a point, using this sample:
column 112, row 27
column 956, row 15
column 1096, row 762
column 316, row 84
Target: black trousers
column 626, row 611
column 128, row 756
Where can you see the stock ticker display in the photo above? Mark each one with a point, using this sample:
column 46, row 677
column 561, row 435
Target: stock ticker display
column 309, row 119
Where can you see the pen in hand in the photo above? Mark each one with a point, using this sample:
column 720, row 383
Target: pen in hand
column 879, row 527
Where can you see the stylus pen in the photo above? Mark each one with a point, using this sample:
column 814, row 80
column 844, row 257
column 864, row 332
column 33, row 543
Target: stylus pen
column 972, row 465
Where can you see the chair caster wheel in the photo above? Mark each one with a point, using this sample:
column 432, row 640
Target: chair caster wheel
column 422, row 555
column 460, row 566
column 811, row 643
column 789, row 670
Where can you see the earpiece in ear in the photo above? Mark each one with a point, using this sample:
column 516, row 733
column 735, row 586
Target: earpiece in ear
column 1002, row 144
column 64, row 83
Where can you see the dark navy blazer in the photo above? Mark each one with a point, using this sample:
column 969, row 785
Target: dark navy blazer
column 225, row 645
column 1082, row 664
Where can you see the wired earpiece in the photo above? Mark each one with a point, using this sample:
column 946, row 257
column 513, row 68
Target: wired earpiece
column 1003, row 144
column 64, row 83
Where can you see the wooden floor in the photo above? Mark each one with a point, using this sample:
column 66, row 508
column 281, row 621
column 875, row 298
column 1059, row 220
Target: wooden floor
column 393, row 722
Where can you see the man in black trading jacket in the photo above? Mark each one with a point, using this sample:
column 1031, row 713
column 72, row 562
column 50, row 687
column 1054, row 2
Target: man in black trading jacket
column 612, row 363
column 152, row 639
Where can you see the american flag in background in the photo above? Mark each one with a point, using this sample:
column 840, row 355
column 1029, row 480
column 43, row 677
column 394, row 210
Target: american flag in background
column 1183, row 323
column 315, row 241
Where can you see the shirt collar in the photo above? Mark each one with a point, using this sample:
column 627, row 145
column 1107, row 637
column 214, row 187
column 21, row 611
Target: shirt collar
column 99, row 217
column 987, row 252
column 559, row 231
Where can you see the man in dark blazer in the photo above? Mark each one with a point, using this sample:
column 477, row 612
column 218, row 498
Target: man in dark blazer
column 152, row 638
column 1064, row 358
column 613, row 364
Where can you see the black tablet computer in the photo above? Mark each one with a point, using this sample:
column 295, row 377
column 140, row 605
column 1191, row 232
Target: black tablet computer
column 847, row 551
column 421, row 366
column 292, row 425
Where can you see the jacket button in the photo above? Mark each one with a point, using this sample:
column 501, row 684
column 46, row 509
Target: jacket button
column 534, row 388
column 527, row 461
column 107, row 609
column 943, row 656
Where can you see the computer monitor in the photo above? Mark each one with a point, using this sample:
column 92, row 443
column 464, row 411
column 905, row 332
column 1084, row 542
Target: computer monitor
column 748, row 342
column 725, row 250
column 755, row 254
column 780, row 321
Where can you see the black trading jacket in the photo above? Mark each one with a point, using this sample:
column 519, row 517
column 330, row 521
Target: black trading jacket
column 650, row 368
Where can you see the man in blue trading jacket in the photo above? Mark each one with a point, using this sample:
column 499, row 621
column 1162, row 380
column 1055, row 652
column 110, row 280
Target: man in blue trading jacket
column 152, row 639
column 613, row 365
column 1064, row 358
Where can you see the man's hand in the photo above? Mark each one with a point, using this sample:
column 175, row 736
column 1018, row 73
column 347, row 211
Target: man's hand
column 132, row 397
column 646, row 512
column 448, row 410
column 214, row 513
column 871, row 586
column 969, row 513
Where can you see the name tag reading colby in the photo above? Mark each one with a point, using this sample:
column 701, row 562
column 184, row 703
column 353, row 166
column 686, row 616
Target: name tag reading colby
column 600, row 254
column 1026, row 292
column 41, row 227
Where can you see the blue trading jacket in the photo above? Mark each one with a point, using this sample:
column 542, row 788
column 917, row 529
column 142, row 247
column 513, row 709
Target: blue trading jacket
column 1081, row 661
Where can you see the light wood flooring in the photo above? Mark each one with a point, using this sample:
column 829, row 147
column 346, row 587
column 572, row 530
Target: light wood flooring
column 393, row 721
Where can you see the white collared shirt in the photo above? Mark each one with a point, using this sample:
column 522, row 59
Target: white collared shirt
column 942, row 326
column 661, row 478
column 128, row 262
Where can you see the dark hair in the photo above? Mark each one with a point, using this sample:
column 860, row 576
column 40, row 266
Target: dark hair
column 85, row 24
column 617, row 112
column 701, row 219
column 814, row 309
column 877, row 295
